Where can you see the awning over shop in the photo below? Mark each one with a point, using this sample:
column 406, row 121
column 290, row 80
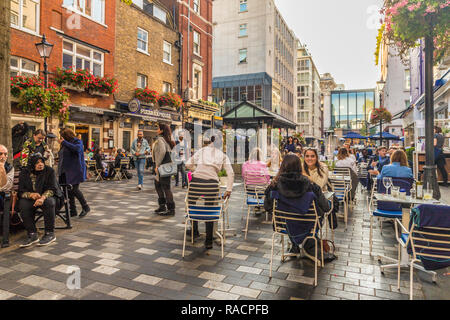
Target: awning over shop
column 146, row 113
column 249, row 114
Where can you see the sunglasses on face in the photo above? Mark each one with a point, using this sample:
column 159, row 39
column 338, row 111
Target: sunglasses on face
column 3, row 153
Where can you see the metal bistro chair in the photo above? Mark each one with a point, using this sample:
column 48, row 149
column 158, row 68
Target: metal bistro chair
column 387, row 210
column 282, row 219
column 210, row 211
column 346, row 174
column 341, row 190
column 255, row 185
column 92, row 167
column 428, row 241
column 363, row 175
column 62, row 211
column 120, row 171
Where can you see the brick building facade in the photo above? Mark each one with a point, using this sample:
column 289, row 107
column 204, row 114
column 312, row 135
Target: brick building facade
column 146, row 55
column 82, row 37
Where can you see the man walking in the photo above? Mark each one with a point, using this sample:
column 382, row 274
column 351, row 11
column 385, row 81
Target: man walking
column 139, row 149
column 208, row 162
column 181, row 150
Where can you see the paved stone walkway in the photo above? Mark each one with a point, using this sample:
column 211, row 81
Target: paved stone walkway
column 124, row 251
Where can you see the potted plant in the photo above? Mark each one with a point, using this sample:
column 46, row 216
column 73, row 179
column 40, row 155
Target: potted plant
column 102, row 86
column 446, row 132
column 73, row 80
column 20, row 83
column 146, row 95
column 223, row 177
column 170, row 99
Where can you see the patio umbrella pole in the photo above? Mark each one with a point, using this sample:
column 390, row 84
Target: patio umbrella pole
column 430, row 178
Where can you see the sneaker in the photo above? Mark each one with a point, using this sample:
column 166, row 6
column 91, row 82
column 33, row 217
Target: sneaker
column 47, row 239
column 139, row 186
column 168, row 213
column 32, row 239
column 162, row 209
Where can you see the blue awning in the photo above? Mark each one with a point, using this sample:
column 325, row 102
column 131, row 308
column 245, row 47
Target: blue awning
column 386, row 136
column 354, row 135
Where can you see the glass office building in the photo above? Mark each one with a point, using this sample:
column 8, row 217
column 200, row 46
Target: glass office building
column 350, row 109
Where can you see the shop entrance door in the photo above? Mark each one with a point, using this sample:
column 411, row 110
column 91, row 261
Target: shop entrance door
column 84, row 132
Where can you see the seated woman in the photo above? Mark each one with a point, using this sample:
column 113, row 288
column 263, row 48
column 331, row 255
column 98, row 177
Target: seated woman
column 98, row 157
column 290, row 183
column 38, row 188
column 255, row 165
column 314, row 170
column 346, row 161
column 398, row 167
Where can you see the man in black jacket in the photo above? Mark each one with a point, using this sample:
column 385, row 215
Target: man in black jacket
column 38, row 188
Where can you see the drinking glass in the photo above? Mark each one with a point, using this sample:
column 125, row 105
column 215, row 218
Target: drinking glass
column 387, row 182
column 395, row 191
column 428, row 194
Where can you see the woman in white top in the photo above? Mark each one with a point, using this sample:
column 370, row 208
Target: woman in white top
column 345, row 160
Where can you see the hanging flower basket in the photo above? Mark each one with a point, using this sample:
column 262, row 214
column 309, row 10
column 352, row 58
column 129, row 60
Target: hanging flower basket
column 380, row 114
column 146, row 95
column 406, row 21
column 170, row 99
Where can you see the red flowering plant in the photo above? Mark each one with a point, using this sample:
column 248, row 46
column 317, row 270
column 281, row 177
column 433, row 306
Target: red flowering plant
column 380, row 114
column 19, row 83
column 79, row 78
column 170, row 99
column 146, row 95
column 406, row 21
column 58, row 101
column 104, row 85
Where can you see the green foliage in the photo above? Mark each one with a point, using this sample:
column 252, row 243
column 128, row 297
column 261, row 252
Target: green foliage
column 380, row 114
column 379, row 41
column 407, row 21
column 222, row 173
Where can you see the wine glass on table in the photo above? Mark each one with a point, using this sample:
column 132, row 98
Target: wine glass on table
column 387, row 183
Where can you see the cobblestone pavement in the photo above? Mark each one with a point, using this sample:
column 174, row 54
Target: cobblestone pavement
column 124, row 251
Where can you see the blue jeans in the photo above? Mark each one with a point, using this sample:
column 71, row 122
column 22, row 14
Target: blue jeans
column 140, row 166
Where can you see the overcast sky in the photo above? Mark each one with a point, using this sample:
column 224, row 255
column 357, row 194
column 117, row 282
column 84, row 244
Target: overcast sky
column 340, row 35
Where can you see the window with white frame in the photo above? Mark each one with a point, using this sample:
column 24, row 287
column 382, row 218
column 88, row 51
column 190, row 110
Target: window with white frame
column 139, row 3
column 197, row 83
column 167, row 52
column 242, row 5
column 94, row 9
column 407, row 79
column 80, row 57
column 142, row 40
column 167, row 87
column 25, row 15
column 142, row 81
column 242, row 55
column 159, row 13
column 23, row 67
column 196, row 5
column 196, row 43
column 243, row 30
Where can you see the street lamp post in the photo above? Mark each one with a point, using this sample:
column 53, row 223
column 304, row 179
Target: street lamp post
column 430, row 179
column 380, row 87
column 45, row 49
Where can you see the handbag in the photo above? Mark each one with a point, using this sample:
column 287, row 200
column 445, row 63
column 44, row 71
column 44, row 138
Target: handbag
column 167, row 168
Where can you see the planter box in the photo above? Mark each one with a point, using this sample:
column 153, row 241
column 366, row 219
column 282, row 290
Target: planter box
column 74, row 88
column 97, row 93
column 13, row 99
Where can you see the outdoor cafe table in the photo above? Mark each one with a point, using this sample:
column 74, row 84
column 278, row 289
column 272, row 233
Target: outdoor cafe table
column 404, row 260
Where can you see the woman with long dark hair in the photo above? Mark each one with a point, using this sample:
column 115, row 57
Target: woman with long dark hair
column 313, row 169
column 161, row 155
column 72, row 169
column 290, row 146
column 290, row 183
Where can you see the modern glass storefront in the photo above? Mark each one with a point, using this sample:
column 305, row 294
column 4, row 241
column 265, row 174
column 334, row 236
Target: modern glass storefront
column 350, row 109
